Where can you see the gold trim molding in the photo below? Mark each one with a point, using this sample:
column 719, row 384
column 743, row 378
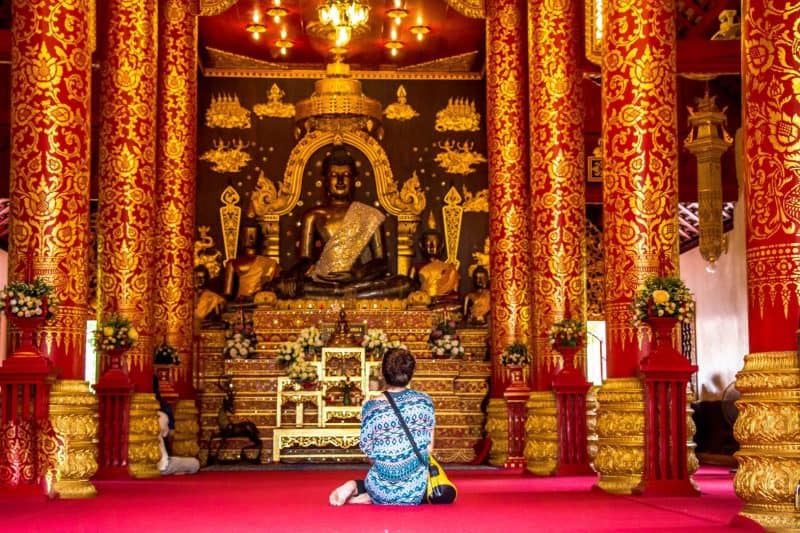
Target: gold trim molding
column 475, row 9
column 541, row 433
column 497, row 431
column 209, row 8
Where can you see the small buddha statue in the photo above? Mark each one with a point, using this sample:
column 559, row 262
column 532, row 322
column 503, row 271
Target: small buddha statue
column 477, row 303
column 249, row 271
column 438, row 279
column 208, row 304
column 353, row 260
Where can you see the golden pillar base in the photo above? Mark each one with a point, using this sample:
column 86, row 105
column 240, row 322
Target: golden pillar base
column 620, row 435
column 143, row 435
column 497, row 430
column 768, row 432
column 187, row 428
column 541, row 433
column 591, row 424
column 692, row 463
column 73, row 413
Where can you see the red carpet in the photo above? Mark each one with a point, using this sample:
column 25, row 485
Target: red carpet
column 296, row 500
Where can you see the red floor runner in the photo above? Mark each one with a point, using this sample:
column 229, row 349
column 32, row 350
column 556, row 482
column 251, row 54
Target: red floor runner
column 296, row 500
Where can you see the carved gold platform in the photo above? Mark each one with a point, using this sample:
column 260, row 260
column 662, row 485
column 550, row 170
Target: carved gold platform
column 457, row 387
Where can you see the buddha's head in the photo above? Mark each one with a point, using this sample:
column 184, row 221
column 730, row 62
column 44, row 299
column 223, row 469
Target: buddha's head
column 480, row 277
column 201, row 276
column 431, row 242
column 339, row 173
column 251, row 237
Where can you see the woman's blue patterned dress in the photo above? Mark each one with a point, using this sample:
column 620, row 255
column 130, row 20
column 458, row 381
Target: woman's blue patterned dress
column 396, row 476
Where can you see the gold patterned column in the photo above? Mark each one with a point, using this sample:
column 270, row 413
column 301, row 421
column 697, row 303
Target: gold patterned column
column 557, row 177
column 541, row 434
column 187, row 430
column 768, row 426
column 175, row 187
column 620, row 435
column 50, row 159
column 509, row 196
column 127, row 174
column 497, row 430
column 73, row 413
column 143, row 435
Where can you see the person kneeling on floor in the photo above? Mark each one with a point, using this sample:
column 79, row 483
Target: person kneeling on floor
column 169, row 464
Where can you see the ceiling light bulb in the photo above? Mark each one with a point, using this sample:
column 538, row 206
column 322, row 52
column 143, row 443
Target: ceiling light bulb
column 394, row 34
column 256, row 17
column 394, row 52
column 256, row 36
column 283, row 32
column 283, row 51
column 342, row 35
column 420, row 36
column 276, row 19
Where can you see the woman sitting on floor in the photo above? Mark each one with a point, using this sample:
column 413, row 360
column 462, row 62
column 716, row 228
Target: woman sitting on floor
column 396, row 476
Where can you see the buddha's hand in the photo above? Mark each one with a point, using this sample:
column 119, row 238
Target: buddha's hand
column 340, row 277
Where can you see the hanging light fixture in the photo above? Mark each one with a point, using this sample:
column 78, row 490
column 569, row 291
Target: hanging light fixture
column 277, row 11
column 420, row 29
column 397, row 12
column 393, row 44
column 284, row 43
column 256, row 28
column 342, row 18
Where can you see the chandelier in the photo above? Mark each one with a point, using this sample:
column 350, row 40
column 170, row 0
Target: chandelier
column 343, row 18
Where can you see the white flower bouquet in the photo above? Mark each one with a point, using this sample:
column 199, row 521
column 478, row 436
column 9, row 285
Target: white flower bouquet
column 239, row 345
column 289, row 352
column 375, row 342
column 28, row 300
column 310, row 339
column 447, row 346
column 302, row 371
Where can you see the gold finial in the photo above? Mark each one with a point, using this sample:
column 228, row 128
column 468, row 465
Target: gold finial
column 431, row 224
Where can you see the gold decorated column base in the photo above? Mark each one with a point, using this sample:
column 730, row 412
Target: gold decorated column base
column 497, row 430
column 692, row 462
column 73, row 413
column 591, row 424
column 143, row 450
column 768, row 432
column 541, row 433
column 620, row 435
column 185, row 443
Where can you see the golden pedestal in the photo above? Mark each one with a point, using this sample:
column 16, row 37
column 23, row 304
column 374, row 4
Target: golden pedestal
column 143, row 434
column 497, row 431
column 73, row 413
column 541, row 433
column 184, row 443
column 591, row 424
column 768, row 431
column 620, row 435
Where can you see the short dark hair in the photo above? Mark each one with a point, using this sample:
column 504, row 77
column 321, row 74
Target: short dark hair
column 339, row 157
column 398, row 367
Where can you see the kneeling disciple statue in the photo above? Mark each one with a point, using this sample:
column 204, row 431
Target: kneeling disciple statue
column 208, row 304
column 438, row 279
column 477, row 303
column 249, row 272
column 352, row 263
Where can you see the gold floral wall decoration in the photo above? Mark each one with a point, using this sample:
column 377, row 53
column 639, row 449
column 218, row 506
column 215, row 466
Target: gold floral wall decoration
column 459, row 115
column 458, row 158
column 400, row 110
column 267, row 199
column 410, row 195
column 225, row 111
column 227, row 157
column 275, row 106
column 452, row 214
column 206, row 254
column 230, row 214
column 475, row 203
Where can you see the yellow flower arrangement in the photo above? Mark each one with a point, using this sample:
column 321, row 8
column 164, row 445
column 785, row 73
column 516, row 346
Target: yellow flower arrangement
column 114, row 333
column 663, row 297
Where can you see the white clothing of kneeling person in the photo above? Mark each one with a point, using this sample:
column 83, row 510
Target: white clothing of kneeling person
column 169, row 465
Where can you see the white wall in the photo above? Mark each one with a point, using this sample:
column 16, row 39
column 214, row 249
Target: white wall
column 722, row 339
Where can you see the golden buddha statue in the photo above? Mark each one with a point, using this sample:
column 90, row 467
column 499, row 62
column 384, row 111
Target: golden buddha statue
column 477, row 303
column 438, row 279
column 207, row 303
column 353, row 262
column 249, row 271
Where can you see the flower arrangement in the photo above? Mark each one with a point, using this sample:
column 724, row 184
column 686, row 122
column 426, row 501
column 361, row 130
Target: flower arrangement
column 115, row 333
column 239, row 344
column 289, row 352
column 663, row 297
column 302, row 371
column 391, row 345
column 310, row 339
column 515, row 354
column 166, row 355
column 28, row 300
column 444, row 341
column 567, row 333
column 375, row 341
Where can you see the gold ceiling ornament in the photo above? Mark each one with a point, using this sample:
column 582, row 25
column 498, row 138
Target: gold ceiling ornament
column 400, row 110
column 452, row 215
column 459, row 115
column 206, row 254
column 475, row 203
column 338, row 106
column 481, row 259
column 458, row 158
column 227, row 157
column 708, row 140
column 275, row 106
column 475, row 9
column 340, row 21
column 225, row 111
column 230, row 214
column 209, row 8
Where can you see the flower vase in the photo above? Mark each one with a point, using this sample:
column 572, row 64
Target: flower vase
column 27, row 327
column 661, row 338
column 568, row 374
column 114, row 363
column 568, row 354
column 515, row 376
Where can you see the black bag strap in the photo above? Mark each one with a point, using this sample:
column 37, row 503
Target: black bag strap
column 405, row 427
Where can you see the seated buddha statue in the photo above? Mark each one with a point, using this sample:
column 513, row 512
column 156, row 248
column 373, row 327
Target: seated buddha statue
column 207, row 303
column 353, row 261
column 477, row 303
column 438, row 279
column 249, row 272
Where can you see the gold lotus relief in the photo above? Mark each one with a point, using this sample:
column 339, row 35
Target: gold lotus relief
column 541, row 451
column 275, row 106
column 541, row 424
column 124, row 162
column 144, row 453
column 400, row 110
column 46, row 70
column 225, row 111
column 79, row 425
column 616, row 460
column 81, row 462
column 766, row 479
column 227, row 157
column 126, row 77
column 767, row 423
column 616, row 424
column 458, row 115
